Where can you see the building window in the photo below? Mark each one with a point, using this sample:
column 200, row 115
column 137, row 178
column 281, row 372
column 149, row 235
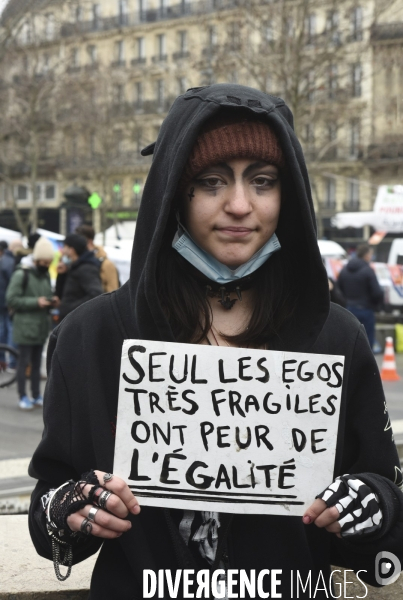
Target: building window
column 356, row 78
column 96, row 16
column 353, row 193
column 356, row 24
column 118, row 141
column 159, row 92
column 49, row 26
column 141, row 48
column 182, row 41
column 161, row 46
column 78, row 14
column 267, row 31
column 354, row 137
column 163, row 5
column 330, row 192
column 332, row 27
column 74, row 58
column 182, row 85
column 50, row 191
column 212, row 36
column 310, row 28
column 119, row 92
column 92, row 54
column 92, row 144
column 22, row 192
column 123, row 12
column 120, row 52
column 234, row 35
column 139, row 141
column 45, row 67
column 26, row 33
column 332, row 82
column 138, row 94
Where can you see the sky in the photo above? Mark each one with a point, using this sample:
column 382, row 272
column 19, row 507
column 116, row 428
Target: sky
column 2, row 5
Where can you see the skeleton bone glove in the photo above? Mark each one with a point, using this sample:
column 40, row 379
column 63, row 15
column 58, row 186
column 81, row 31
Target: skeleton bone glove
column 360, row 512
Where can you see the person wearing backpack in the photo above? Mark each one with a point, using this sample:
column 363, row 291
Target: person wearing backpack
column 29, row 298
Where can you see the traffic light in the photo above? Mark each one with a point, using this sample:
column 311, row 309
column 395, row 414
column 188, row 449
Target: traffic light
column 94, row 200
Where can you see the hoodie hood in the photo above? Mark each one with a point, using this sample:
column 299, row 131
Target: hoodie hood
column 296, row 230
column 356, row 264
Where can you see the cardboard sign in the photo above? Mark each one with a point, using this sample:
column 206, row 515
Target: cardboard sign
column 226, row 429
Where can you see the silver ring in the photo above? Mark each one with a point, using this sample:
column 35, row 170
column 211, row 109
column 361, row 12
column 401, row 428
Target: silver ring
column 107, row 477
column 103, row 498
column 92, row 513
column 86, row 527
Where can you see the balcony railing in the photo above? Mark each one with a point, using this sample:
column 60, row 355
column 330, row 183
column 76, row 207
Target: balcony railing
column 385, row 152
column 159, row 58
column 182, row 54
column 151, row 15
column 351, row 205
column 387, row 31
column 140, row 60
column 327, row 207
column 118, row 64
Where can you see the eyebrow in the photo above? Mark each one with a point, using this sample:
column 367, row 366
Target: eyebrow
column 249, row 169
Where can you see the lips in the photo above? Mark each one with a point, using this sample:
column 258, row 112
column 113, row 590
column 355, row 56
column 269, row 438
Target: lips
column 235, row 231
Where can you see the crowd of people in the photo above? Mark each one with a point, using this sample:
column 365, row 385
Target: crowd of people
column 30, row 305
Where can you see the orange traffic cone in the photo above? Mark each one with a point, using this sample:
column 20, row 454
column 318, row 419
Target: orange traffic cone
column 388, row 371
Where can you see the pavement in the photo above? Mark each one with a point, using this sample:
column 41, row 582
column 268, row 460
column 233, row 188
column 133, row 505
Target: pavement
column 20, row 433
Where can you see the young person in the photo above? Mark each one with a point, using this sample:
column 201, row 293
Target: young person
column 225, row 253
column 29, row 296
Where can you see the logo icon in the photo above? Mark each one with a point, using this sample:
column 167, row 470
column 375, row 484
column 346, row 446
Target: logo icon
column 387, row 568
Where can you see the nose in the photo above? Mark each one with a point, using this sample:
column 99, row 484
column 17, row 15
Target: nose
column 238, row 201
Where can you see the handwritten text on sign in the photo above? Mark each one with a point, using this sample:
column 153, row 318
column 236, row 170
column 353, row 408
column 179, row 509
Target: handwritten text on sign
column 226, row 429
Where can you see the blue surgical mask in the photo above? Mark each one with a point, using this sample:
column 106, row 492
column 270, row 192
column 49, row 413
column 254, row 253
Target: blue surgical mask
column 212, row 268
column 66, row 259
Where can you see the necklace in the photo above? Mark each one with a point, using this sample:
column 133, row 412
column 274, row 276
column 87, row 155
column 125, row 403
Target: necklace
column 214, row 336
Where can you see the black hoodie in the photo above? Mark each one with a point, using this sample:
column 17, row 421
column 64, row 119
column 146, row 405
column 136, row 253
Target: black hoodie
column 359, row 284
column 84, row 362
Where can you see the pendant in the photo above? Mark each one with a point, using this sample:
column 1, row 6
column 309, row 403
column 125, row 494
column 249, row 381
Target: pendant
column 226, row 301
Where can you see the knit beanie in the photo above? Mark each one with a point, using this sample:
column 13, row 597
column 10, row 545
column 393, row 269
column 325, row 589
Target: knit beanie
column 78, row 242
column 43, row 250
column 230, row 136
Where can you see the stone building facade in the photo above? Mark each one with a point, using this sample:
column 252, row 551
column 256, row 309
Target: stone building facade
column 112, row 68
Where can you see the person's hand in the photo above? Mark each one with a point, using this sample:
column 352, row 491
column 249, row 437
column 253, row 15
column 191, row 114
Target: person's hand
column 61, row 268
column 55, row 301
column 347, row 507
column 109, row 522
column 323, row 516
column 43, row 302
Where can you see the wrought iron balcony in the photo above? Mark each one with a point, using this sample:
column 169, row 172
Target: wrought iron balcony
column 151, row 15
column 159, row 58
column 351, row 205
column 118, row 64
column 140, row 60
column 182, row 54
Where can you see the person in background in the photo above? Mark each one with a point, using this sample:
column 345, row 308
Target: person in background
column 7, row 264
column 108, row 272
column 361, row 290
column 29, row 297
column 24, row 255
column 82, row 279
